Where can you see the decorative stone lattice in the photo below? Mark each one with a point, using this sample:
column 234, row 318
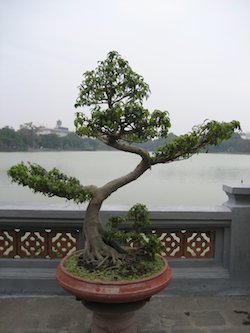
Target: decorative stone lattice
column 199, row 244
column 187, row 244
column 7, row 243
column 57, row 243
column 37, row 244
column 62, row 243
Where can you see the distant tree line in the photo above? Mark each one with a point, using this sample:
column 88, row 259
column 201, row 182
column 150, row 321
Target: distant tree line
column 27, row 139
column 236, row 145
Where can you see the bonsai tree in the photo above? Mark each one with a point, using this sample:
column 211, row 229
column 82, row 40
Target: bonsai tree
column 113, row 96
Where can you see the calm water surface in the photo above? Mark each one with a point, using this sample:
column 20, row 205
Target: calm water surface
column 196, row 181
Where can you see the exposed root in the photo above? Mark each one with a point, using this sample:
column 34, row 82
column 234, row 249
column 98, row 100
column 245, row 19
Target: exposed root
column 132, row 265
column 98, row 254
column 106, row 255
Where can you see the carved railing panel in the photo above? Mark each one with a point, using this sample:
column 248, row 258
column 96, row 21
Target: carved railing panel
column 8, row 243
column 199, row 244
column 53, row 244
column 187, row 244
column 46, row 243
column 62, row 243
column 31, row 244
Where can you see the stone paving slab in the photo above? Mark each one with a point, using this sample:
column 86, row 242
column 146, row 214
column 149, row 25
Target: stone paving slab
column 173, row 314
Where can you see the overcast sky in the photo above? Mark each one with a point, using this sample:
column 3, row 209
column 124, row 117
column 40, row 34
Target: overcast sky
column 194, row 54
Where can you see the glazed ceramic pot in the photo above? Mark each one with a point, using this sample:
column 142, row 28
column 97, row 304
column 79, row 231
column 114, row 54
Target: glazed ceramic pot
column 113, row 291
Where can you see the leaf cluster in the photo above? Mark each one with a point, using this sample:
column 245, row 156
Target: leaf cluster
column 112, row 82
column 131, row 123
column 137, row 220
column 50, row 183
column 114, row 93
column 201, row 137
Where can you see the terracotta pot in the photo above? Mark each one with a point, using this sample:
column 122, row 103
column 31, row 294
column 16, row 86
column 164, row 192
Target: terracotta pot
column 113, row 291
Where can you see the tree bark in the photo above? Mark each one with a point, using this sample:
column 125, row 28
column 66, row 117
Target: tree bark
column 96, row 251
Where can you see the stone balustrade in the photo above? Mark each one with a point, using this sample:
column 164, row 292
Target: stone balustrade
column 207, row 247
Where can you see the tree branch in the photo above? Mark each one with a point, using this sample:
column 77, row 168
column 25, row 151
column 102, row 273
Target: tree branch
column 51, row 183
column 131, row 149
column 112, row 186
column 145, row 164
column 203, row 136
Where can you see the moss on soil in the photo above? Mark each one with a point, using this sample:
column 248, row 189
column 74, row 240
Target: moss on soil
column 141, row 268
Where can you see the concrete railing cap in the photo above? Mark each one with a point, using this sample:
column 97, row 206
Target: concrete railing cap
column 242, row 189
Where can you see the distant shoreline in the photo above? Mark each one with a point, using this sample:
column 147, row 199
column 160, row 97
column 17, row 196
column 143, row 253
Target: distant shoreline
column 26, row 139
column 112, row 151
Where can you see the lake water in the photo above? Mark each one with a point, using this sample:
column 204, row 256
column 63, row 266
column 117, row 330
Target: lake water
column 196, row 181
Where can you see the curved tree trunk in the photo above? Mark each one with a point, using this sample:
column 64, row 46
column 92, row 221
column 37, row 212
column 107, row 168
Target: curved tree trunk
column 96, row 251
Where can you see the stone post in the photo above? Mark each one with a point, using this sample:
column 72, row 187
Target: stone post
column 239, row 203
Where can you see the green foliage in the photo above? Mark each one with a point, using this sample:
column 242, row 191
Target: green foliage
column 203, row 136
column 112, row 82
column 115, row 94
column 50, row 183
column 140, row 216
column 138, row 221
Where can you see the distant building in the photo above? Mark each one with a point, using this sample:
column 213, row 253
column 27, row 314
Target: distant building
column 59, row 130
column 245, row 136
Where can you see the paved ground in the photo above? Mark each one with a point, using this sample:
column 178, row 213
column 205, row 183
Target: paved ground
column 173, row 314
